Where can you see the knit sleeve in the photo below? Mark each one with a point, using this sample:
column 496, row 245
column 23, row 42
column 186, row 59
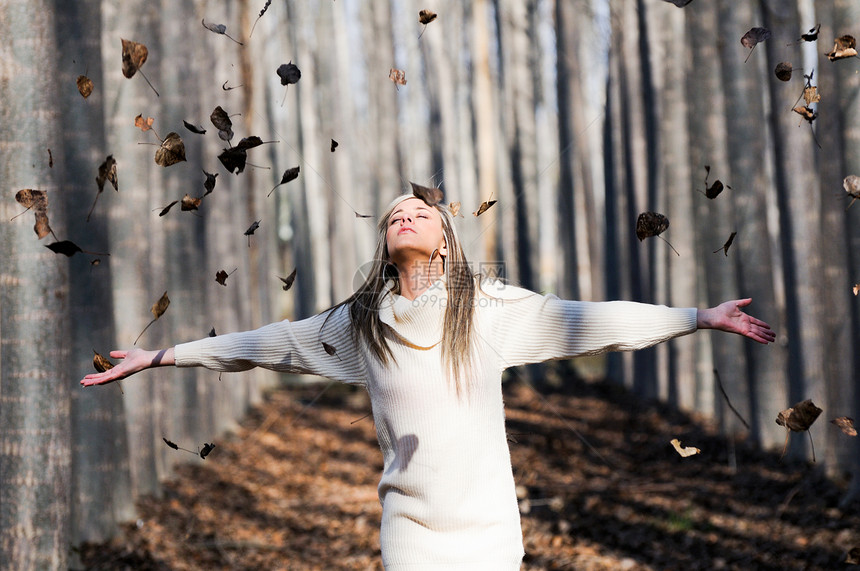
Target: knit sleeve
column 527, row 327
column 313, row 346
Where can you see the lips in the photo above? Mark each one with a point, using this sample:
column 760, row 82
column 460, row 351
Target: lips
column 405, row 229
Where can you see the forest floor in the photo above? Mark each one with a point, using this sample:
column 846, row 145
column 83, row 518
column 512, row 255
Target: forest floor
column 600, row 487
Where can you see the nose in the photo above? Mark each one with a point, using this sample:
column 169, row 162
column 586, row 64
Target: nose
column 406, row 218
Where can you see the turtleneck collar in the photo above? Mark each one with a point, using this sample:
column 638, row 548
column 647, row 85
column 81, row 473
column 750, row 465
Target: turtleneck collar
column 418, row 322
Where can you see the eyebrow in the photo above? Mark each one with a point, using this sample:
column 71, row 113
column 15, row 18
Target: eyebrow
column 419, row 207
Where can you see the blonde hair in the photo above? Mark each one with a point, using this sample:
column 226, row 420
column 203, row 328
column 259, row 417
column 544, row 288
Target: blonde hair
column 457, row 329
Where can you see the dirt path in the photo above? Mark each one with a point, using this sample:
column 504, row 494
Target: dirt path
column 296, row 489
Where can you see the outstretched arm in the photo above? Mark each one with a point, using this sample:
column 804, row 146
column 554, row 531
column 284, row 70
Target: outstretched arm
column 134, row 361
column 729, row 317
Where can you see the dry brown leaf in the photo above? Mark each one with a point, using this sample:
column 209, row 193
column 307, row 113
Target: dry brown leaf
column 37, row 201
column 158, row 308
column 143, row 124
column 783, row 71
column 799, row 417
column 844, row 47
column 684, row 451
column 134, row 55
column 398, row 76
column 430, row 195
column 100, row 363
column 288, row 281
column 846, row 424
column 85, row 86
column 171, row 151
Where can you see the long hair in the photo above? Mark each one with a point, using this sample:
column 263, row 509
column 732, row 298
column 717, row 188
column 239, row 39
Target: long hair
column 459, row 311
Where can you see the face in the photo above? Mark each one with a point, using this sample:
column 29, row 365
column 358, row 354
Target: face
column 414, row 232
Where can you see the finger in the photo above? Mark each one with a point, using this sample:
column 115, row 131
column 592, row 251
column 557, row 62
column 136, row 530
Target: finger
column 118, row 354
column 743, row 302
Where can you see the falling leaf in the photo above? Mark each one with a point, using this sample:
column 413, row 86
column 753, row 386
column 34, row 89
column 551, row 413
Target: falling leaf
column 359, row 215
column 85, row 86
column 37, row 201
column 398, row 76
column 194, row 128
column 107, row 173
column 250, row 231
column 171, row 444
column 50, row 159
column 715, row 189
column 209, row 183
column 212, row 333
column 222, row 122
column 810, row 95
column 64, row 247
column 853, row 557
column 333, row 145
column 289, row 175
column 431, row 196
column 856, row 289
column 783, row 71
column 806, row 112
column 172, row 150
column 190, row 203
column 167, row 208
column 685, row 451
column 157, row 309
column 851, row 184
column 811, row 35
column 143, row 124
column 289, row 73
column 231, row 88
column 652, row 224
column 426, row 16
column 263, row 11
column 234, row 159
column 799, row 417
column 484, row 207
column 844, row 47
column 207, row 448
column 727, row 245
column 846, row 424
column 753, row 37
column 288, row 281
column 221, row 277
column 134, row 55
column 329, row 349
column 679, row 3
column 454, row 209
column 220, row 29
column 100, row 363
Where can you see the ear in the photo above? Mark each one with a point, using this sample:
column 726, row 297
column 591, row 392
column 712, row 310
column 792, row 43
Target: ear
column 443, row 248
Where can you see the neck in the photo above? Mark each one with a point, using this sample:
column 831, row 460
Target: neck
column 416, row 276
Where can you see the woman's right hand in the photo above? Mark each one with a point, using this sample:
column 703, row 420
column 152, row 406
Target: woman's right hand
column 133, row 361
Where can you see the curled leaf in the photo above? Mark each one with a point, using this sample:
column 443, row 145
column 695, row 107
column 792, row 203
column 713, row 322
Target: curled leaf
column 209, row 183
column 234, row 159
column 37, row 201
column 171, row 151
column 221, row 277
column 194, row 128
column 219, row 29
column 799, row 417
column 190, row 203
column 851, row 184
column 806, row 112
column 134, row 55
column 684, row 451
column 289, row 175
column 398, row 76
column 454, row 209
column 157, row 309
column 64, row 247
column 333, row 145
column 426, row 16
column 728, row 244
column 171, row 444
column 166, row 209
column 85, row 86
column 753, row 37
column 100, row 363
column 484, row 207
column 844, row 47
column 222, row 122
column 288, row 281
column 431, row 196
column 846, row 424
column 207, row 448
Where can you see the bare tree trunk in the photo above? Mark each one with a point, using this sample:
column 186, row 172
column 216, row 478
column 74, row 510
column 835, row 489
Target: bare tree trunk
column 799, row 209
column 838, row 114
column 100, row 483
column 747, row 142
column 35, row 458
column 715, row 218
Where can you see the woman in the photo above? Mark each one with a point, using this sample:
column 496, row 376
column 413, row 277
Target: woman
column 429, row 342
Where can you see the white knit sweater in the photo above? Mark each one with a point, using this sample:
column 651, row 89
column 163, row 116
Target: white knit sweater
column 447, row 488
